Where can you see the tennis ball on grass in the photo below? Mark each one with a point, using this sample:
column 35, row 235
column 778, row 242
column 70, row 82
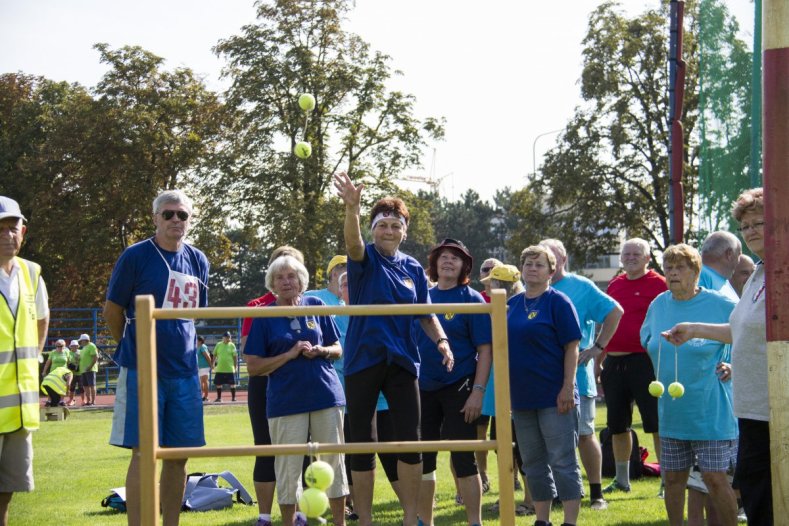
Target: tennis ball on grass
column 676, row 390
column 307, row 102
column 319, row 475
column 656, row 389
column 313, row 502
column 303, row 149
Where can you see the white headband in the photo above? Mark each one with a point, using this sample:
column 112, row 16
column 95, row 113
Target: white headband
column 387, row 215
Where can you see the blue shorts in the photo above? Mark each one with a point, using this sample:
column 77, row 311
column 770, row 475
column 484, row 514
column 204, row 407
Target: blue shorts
column 180, row 412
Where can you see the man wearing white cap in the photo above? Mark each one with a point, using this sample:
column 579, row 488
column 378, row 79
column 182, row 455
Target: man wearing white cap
column 24, row 319
column 88, row 367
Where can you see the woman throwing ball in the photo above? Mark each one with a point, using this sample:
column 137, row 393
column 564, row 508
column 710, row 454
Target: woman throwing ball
column 380, row 353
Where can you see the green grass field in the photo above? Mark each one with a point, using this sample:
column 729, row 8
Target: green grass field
column 75, row 468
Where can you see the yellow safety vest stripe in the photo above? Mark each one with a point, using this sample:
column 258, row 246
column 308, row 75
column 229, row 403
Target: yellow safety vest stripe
column 19, row 351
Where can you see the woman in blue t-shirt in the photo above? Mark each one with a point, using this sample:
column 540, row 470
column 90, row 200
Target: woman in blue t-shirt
column 305, row 399
column 380, row 351
column 698, row 427
column 543, row 333
column 451, row 401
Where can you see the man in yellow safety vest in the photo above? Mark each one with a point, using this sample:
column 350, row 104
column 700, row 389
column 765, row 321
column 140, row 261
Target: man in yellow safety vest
column 24, row 319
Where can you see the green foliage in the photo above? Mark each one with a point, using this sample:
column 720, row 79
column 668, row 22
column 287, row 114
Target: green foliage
column 299, row 46
column 86, row 166
column 725, row 106
column 609, row 171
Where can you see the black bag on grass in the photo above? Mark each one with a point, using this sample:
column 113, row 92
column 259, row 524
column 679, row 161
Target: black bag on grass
column 609, row 464
column 115, row 501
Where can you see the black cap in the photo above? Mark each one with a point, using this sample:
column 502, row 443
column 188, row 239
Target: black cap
column 227, row 334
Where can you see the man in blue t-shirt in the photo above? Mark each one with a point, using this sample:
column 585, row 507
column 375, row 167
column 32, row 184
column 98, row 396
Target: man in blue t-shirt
column 720, row 254
column 593, row 307
column 175, row 274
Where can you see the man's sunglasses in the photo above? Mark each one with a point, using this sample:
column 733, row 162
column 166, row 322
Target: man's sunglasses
column 168, row 214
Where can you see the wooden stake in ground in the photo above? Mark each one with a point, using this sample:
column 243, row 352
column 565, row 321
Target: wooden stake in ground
column 775, row 119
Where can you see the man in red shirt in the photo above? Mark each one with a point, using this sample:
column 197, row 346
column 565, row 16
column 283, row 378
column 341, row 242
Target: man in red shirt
column 627, row 369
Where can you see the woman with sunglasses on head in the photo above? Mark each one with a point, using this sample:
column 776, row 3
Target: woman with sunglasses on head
column 380, row 352
column 451, row 401
column 747, row 332
column 305, row 400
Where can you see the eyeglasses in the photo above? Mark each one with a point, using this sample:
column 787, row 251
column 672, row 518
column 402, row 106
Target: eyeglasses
column 168, row 214
column 756, row 226
column 486, row 269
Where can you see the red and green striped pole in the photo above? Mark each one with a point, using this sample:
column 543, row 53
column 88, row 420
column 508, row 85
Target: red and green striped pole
column 775, row 143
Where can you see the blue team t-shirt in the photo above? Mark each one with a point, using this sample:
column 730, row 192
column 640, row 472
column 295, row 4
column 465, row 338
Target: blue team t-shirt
column 301, row 385
column 592, row 306
column 705, row 412
column 383, row 280
column 341, row 322
column 536, row 347
column 141, row 270
column 465, row 333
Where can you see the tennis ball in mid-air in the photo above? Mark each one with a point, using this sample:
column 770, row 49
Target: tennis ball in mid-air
column 303, row 149
column 306, row 102
column 313, row 502
column 319, row 475
column 656, row 389
column 676, row 390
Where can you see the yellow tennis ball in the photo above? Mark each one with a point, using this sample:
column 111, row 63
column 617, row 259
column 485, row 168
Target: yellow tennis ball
column 319, row 475
column 307, row 102
column 676, row 390
column 656, row 389
column 302, row 149
column 313, row 502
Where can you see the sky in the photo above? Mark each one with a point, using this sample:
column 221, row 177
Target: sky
column 504, row 74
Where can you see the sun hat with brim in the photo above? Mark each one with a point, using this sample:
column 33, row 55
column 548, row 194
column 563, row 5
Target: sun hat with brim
column 73, row 343
column 457, row 245
column 503, row 273
column 10, row 208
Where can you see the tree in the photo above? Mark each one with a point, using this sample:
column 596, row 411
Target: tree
column 299, row 46
column 88, row 165
column 609, row 171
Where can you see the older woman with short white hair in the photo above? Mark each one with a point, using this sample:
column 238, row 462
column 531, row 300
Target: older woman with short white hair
column 305, row 398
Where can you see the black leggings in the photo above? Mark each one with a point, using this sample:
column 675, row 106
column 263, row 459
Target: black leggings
column 516, row 453
column 385, row 434
column 753, row 472
column 402, row 393
column 256, row 402
column 442, row 419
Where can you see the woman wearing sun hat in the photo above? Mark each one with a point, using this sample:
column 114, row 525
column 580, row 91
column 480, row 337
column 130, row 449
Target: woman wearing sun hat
column 451, row 401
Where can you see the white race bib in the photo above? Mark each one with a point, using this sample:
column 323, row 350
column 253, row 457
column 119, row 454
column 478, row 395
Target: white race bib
column 183, row 291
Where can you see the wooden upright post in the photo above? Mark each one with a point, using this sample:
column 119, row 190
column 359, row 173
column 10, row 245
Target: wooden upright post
column 775, row 34
column 148, row 410
column 501, row 361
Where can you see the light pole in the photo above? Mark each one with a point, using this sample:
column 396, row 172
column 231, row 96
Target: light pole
column 534, row 150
